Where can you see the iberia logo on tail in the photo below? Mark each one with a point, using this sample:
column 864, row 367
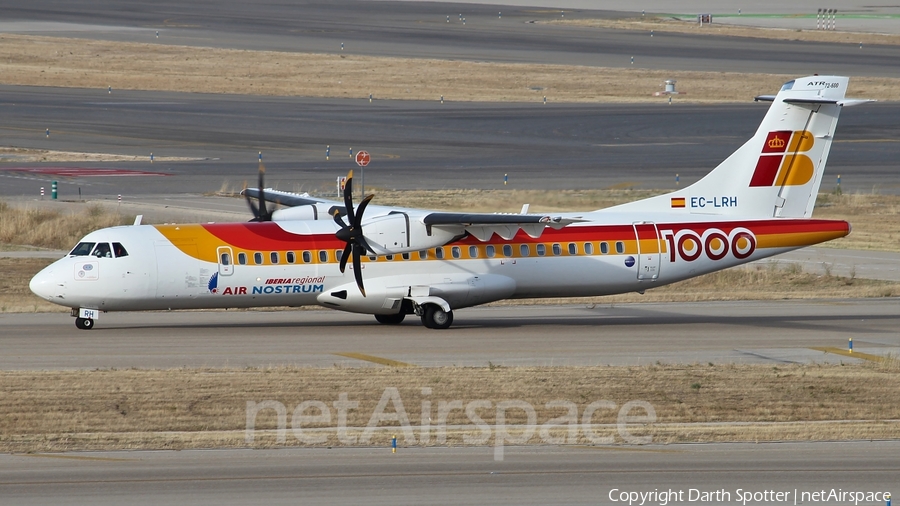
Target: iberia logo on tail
column 782, row 161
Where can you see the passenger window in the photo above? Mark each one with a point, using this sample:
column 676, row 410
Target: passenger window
column 82, row 249
column 389, row 257
column 102, row 250
column 507, row 250
column 490, row 251
column 225, row 258
column 455, row 252
column 557, row 249
column 257, row 258
column 524, row 250
column 573, row 248
column 405, row 256
column 119, row 250
column 291, row 257
column 242, row 258
column 273, row 257
column 439, row 253
column 588, row 248
column 323, row 256
column 473, row 251
column 620, row 247
column 423, row 255
column 372, row 258
column 541, row 250
column 338, row 254
column 604, row 248
column 307, row 257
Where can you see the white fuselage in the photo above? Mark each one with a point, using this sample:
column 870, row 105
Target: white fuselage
column 165, row 267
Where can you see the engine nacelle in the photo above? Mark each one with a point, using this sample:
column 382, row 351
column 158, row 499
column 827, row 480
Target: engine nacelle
column 397, row 233
column 301, row 213
column 297, row 213
column 378, row 300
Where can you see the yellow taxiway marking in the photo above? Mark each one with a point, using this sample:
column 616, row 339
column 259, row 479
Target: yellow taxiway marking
column 375, row 360
column 848, row 353
column 71, row 457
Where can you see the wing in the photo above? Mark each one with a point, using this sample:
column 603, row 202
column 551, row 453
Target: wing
column 288, row 199
column 483, row 225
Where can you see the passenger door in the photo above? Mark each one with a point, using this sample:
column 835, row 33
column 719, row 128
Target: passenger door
column 649, row 248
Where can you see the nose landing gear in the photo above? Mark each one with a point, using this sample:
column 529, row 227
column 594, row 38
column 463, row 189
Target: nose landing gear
column 84, row 323
column 84, row 318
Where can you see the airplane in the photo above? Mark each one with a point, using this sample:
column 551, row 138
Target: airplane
column 755, row 204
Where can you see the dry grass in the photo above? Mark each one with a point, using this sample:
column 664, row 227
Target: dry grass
column 53, row 61
column 875, row 219
column 48, row 228
column 15, row 297
column 507, row 201
column 670, row 25
column 101, row 409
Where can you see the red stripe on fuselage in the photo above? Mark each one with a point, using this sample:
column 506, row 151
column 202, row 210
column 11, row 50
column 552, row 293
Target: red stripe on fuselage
column 269, row 236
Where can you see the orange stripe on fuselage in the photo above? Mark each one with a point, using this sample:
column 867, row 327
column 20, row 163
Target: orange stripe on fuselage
column 201, row 240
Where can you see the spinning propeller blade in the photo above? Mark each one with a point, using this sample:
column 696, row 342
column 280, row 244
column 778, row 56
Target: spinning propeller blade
column 351, row 232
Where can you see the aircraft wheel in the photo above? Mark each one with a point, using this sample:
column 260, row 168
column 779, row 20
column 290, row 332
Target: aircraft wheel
column 84, row 323
column 436, row 318
column 390, row 319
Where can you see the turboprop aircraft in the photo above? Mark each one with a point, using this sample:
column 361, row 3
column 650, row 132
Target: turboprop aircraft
column 755, row 204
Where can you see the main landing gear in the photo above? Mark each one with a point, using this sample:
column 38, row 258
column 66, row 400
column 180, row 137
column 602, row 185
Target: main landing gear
column 433, row 316
column 84, row 323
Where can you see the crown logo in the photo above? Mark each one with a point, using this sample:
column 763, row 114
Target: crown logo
column 776, row 143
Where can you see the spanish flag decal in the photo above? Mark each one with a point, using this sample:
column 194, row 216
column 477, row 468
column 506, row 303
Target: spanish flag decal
column 677, row 202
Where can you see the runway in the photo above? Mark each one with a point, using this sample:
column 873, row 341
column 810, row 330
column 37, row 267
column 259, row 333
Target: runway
column 417, row 144
column 533, row 475
column 413, row 144
column 423, row 30
column 780, row 332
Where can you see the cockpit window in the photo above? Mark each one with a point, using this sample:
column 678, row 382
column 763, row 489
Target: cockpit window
column 102, row 250
column 83, row 249
column 787, row 86
column 119, row 250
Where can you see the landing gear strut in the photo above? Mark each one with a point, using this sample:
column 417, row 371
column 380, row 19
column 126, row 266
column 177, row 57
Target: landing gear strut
column 84, row 323
column 433, row 317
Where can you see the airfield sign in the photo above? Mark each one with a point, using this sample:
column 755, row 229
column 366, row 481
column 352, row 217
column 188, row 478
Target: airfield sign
column 363, row 158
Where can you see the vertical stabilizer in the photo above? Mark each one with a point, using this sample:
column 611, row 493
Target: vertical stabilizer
column 777, row 172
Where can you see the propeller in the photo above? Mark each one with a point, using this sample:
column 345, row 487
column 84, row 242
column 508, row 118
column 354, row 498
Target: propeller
column 259, row 213
column 352, row 233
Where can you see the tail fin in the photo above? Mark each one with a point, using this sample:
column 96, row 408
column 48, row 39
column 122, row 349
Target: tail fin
column 777, row 172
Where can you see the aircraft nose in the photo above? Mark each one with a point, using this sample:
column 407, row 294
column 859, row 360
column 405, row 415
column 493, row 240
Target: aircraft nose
column 45, row 284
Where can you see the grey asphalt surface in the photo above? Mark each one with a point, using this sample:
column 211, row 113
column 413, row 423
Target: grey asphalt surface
column 418, row 144
column 778, row 332
column 420, row 29
column 536, row 475
column 413, row 144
